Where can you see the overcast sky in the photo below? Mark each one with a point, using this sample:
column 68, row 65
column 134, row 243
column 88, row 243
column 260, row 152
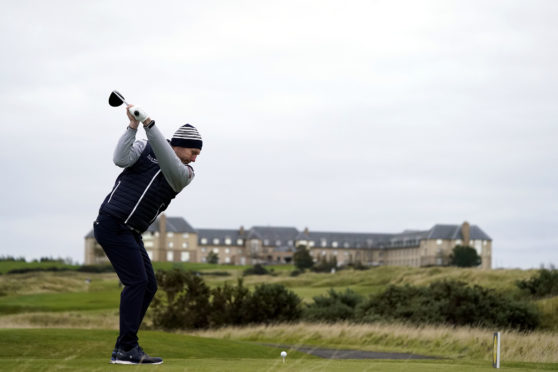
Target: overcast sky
column 353, row 116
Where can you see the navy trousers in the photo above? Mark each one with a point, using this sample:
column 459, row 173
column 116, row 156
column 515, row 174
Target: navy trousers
column 125, row 251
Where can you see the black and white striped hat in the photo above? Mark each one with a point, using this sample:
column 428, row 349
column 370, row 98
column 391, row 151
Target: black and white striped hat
column 187, row 136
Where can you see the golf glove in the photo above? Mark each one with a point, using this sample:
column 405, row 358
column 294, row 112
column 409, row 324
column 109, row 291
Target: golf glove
column 138, row 113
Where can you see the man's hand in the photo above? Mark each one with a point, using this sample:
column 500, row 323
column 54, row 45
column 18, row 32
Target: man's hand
column 133, row 122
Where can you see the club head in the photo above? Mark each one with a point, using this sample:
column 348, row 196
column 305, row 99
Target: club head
column 116, row 99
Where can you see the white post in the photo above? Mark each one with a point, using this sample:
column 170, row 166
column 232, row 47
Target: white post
column 496, row 350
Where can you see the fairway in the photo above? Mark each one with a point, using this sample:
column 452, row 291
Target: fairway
column 89, row 350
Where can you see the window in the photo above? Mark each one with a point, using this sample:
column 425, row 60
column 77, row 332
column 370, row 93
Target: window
column 334, row 244
column 439, row 241
column 266, row 242
column 324, row 242
column 170, row 235
column 216, row 241
column 311, row 243
column 185, row 256
column 170, row 256
column 278, row 243
column 203, row 250
column 204, row 241
column 185, row 235
column 239, row 242
column 227, row 250
column 227, row 260
column 150, row 254
column 216, row 250
column 185, row 245
column 228, row 241
column 171, row 244
column 148, row 244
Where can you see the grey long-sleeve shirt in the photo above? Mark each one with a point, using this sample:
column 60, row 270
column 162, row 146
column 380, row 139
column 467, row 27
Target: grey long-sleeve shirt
column 128, row 151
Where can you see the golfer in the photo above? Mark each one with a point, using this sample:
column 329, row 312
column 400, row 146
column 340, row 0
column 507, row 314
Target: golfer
column 155, row 171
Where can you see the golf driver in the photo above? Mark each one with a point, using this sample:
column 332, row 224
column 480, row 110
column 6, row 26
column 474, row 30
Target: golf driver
column 116, row 99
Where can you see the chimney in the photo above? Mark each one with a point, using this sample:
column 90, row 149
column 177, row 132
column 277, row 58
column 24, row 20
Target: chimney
column 306, row 231
column 241, row 231
column 466, row 233
column 162, row 237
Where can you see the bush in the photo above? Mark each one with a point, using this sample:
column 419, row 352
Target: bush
column 229, row 304
column 37, row 269
column 324, row 265
column 333, row 307
column 106, row 268
column 272, row 303
column 186, row 304
column 257, row 269
column 358, row 266
column 302, row 258
column 464, row 256
column 296, row 272
column 212, row 258
column 11, row 259
column 541, row 285
column 449, row 302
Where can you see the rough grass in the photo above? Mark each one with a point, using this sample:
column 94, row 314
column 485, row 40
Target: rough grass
column 447, row 342
column 96, row 319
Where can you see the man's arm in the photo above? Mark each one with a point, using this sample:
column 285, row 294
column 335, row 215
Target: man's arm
column 128, row 150
column 177, row 174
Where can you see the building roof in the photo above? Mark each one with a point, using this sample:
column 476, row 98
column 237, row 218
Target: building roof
column 283, row 238
column 173, row 224
column 453, row 232
column 276, row 236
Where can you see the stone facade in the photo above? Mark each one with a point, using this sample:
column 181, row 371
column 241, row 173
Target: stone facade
column 172, row 239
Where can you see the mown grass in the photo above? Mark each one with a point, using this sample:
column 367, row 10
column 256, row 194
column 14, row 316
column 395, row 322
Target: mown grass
column 89, row 350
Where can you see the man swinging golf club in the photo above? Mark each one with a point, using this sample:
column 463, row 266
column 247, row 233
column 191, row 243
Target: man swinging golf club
column 155, row 171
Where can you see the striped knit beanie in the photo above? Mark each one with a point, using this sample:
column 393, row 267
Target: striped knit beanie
column 187, row 136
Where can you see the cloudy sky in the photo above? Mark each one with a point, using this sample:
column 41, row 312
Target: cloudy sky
column 356, row 116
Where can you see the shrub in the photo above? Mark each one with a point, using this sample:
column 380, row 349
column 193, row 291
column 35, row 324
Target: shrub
column 358, row 266
column 186, row 303
column 324, row 265
column 106, row 268
column 333, row 307
column 302, row 259
column 212, row 258
column 272, row 303
column 25, row 270
column 257, row 269
column 464, row 256
column 449, row 302
column 541, row 285
column 228, row 305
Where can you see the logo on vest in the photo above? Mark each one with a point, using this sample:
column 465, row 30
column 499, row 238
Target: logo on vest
column 152, row 159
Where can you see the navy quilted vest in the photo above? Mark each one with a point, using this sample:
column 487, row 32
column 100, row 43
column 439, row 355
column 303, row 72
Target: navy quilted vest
column 140, row 193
